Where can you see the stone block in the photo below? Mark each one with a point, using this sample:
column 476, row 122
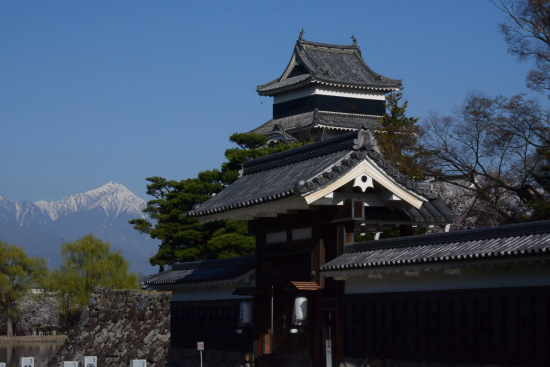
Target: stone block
column 232, row 356
column 207, row 354
column 148, row 338
column 141, row 304
column 157, row 355
column 190, row 353
column 217, row 358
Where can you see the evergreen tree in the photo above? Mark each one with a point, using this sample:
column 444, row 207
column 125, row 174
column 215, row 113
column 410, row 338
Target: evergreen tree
column 398, row 137
column 185, row 239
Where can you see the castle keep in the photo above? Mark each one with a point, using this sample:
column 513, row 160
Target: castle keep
column 311, row 296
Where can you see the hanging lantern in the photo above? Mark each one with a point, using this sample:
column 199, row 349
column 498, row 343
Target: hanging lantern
column 245, row 316
column 246, row 313
column 299, row 316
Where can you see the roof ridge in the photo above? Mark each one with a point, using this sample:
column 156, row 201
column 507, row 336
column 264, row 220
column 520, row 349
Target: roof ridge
column 212, row 263
column 337, row 143
column 509, row 230
column 349, row 114
column 328, row 45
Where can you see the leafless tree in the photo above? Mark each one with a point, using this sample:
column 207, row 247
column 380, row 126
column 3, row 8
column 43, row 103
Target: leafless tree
column 527, row 32
column 488, row 149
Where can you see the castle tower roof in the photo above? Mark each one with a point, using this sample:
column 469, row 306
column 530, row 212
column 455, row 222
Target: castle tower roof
column 332, row 65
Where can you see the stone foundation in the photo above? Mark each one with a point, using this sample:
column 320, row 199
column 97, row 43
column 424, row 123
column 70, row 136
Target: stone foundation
column 182, row 357
column 118, row 326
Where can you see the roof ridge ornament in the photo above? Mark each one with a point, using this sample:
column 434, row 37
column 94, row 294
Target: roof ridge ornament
column 354, row 40
column 301, row 36
column 241, row 171
column 316, row 115
column 364, row 139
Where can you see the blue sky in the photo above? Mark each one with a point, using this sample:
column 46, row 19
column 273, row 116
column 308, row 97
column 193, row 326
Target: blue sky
column 99, row 91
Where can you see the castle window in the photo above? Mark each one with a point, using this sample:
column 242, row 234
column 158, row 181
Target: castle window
column 350, row 105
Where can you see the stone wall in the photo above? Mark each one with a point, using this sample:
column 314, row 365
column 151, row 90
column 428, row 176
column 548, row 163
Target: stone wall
column 118, row 326
column 182, row 357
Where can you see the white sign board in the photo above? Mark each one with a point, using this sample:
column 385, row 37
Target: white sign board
column 138, row 363
column 2, row 364
column 26, row 361
column 200, row 346
column 329, row 353
column 89, row 361
column 70, row 364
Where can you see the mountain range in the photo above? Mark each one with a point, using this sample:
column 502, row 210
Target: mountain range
column 41, row 227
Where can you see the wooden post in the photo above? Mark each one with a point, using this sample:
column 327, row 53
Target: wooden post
column 316, row 263
column 343, row 237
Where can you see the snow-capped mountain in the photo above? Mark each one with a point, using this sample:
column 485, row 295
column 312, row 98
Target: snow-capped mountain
column 112, row 198
column 41, row 227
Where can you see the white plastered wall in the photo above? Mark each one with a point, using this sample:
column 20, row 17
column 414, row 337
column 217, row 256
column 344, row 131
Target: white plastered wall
column 450, row 277
column 204, row 294
column 326, row 90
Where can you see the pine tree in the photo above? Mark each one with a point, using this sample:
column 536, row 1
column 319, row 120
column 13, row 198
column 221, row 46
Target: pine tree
column 185, row 239
column 398, row 138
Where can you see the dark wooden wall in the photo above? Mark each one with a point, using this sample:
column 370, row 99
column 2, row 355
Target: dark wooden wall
column 505, row 326
column 328, row 103
column 214, row 322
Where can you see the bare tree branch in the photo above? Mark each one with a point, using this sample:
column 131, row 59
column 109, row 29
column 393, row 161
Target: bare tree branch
column 527, row 32
column 491, row 145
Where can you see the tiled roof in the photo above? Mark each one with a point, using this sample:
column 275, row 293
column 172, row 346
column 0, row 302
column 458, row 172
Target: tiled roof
column 336, row 120
column 509, row 240
column 293, row 81
column 312, row 167
column 337, row 65
column 204, row 271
